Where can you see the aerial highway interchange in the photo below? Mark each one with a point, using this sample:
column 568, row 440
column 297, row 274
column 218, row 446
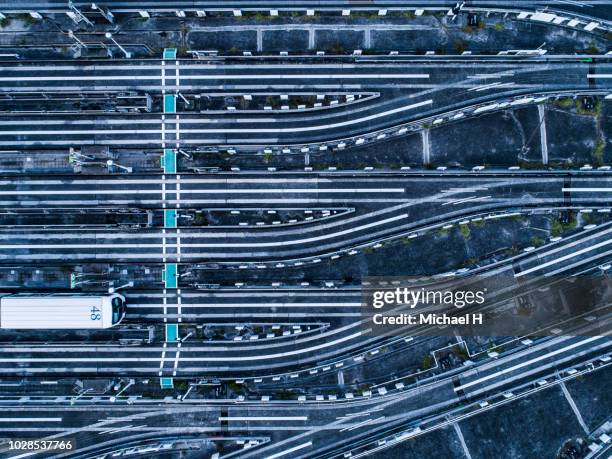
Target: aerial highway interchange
column 240, row 201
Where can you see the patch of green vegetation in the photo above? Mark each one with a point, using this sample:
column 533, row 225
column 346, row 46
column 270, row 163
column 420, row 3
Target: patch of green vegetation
column 181, row 384
column 427, row 125
column 272, row 102
column 284, row 395
column 200, row 220
column 472, row 261
column 499, row 26
column 336, row 48
column 362, row 388
column 565, row 103
column 406, row 240
column 461, row 353
column 234, row 386
column 26, row 18
column 427, row 362
column 557, row 228
column 473, row 29
column 460, row 46
column 531, row 165
column 494, row 348
column 5, row 22
column 536, row 241
column 267, row 157
column 408, row 14
column 598, row 151
column 511, row 251
column 565, row 164
column 592, row 49
column 465, row 231
column 258, row 16
column 478, row 223
column 442, row 231
column 596, row 111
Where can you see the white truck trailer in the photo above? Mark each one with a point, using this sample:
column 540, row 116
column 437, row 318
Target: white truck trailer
column 60, row 311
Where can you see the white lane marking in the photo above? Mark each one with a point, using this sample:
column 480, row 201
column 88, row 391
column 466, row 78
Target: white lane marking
column 313, row 200
column 543, row 137
column 212, row 245
column 240, row 181
column 290, row 450
column 162, row 360
column 466, row 451
column 250, row 305
column 30, row 419
column 263, row 418
column 480, row 198
column 179, row 300
column 176, row 358
column 184, row 359
column 464, row 190
column 363, row 423
column 223, row 130
column 313, row 128
column 527, row 363
column 203, row 191
column 461, row 201
column 563, row 258
column 485, row 87
column 575, row 409
column 270, row 76
column 587, row 190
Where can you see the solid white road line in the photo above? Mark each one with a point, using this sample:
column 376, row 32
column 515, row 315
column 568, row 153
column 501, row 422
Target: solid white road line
column 251, row 305
column 263, row 418
column 184, row 359
column 205, row 191
column 271, row 76
column 563, row 258
column 289, row 130
column 527, row 363
column 211, row 245
column 30, row 419
column 290, row 450
column 587, row 190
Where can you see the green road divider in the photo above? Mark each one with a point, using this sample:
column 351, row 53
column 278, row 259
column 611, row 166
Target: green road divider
column 170, row 218
column 170, row 53
column 169, row 103
column 168, row 161
column 170, row 276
